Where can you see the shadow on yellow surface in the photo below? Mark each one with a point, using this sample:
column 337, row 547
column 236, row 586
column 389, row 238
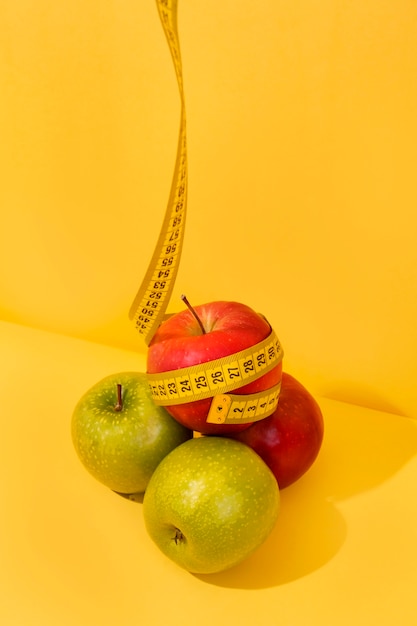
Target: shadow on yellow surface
column 362, row 394
column 72, row 552
column 310, row 531
column 357, row 455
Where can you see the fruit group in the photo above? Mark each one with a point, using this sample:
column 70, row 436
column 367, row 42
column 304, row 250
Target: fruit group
column 210, row 503
column 179, row 342
column 290, row 439
column 121, row 438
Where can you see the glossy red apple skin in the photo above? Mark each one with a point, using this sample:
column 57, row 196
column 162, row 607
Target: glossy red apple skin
column 179, row 342
column 290, row 439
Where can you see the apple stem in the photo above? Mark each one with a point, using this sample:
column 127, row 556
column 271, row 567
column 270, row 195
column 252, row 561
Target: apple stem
column 119, row 404
column 190, row 308
column 179, row 537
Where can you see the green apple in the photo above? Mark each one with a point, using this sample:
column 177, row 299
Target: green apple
column 210, row 503
column 120, row 435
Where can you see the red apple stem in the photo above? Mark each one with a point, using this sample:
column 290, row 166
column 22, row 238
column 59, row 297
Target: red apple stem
column 190, row 308
column 119, row 404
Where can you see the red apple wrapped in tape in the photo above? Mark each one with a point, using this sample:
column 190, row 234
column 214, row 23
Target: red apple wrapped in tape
column 199, row 335
column 290, row 439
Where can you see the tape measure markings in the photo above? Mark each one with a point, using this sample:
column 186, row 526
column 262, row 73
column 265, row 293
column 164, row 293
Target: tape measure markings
column 243, row 409
column 160, row 277
column 218, row 376
column 168, row 15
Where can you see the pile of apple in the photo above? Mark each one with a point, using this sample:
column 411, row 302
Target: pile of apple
column 211, row 492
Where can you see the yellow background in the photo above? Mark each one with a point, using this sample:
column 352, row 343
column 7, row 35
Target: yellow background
column 302, row 129
column 302, row 135
column 344, row 549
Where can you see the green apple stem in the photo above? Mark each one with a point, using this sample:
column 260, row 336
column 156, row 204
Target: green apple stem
column 119, row 404
column 190, row 308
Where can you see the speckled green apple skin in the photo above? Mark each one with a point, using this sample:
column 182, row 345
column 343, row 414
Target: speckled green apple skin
column 210, row 504
column 122, row 449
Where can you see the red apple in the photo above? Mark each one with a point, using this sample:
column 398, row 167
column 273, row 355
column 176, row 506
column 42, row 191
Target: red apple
column 290, row 439
column 229, row 327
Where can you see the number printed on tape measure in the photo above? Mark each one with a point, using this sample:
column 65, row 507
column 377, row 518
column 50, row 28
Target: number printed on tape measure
column 239, row 409
column 218, row 376
column 159, row 279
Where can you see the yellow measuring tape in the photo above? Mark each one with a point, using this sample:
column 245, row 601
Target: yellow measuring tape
column 218, row 376
column 214, row 379
column 243, row 409
column 149, row 306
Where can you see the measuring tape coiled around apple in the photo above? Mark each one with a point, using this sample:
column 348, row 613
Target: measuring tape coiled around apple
column 243, row 409
column 218, row 376
column 214, row 379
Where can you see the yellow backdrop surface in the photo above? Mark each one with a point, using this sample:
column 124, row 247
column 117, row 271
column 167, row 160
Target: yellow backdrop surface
column 302, row 135
column 343, row 551
column 302, row 128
